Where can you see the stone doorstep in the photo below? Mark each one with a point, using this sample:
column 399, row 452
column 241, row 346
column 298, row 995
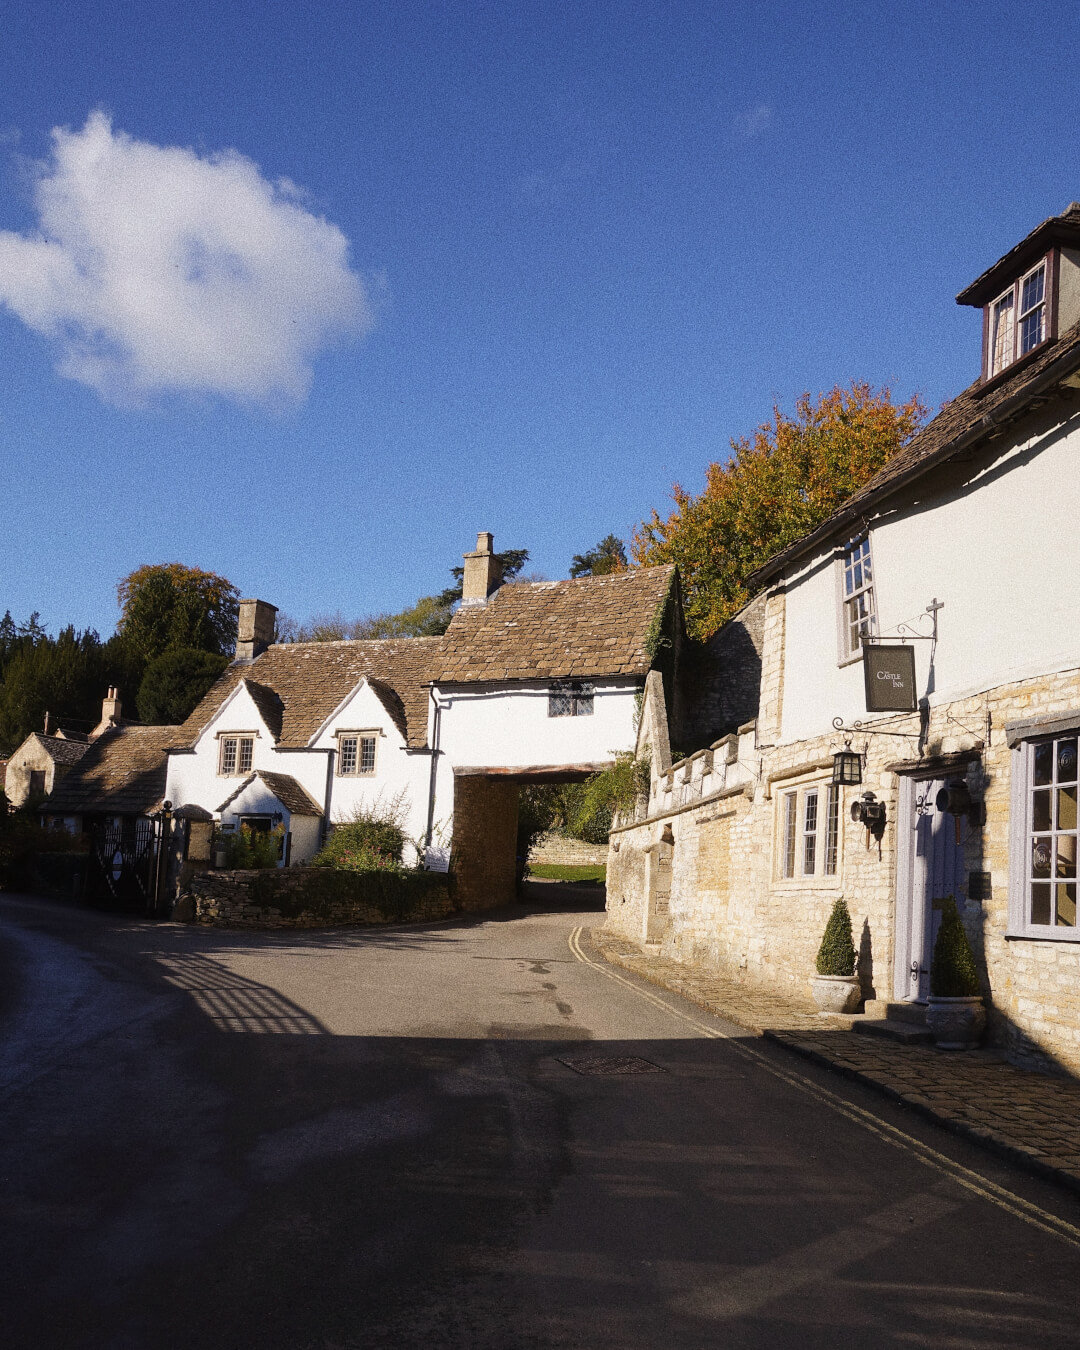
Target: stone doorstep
column 894, row 1029
column 894, row 1068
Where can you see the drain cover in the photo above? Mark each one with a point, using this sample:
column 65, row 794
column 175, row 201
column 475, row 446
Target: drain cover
column 608, row 1066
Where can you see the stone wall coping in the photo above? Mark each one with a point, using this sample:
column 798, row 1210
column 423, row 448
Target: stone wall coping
column 745, row 789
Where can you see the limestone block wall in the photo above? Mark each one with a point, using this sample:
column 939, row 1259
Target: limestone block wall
column 730, row 909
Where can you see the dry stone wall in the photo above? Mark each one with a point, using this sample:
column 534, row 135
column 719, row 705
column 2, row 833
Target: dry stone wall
column 314, row 897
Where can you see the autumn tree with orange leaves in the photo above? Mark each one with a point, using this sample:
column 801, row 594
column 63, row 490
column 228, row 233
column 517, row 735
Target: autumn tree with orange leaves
column 167, row 606
column 778, row 484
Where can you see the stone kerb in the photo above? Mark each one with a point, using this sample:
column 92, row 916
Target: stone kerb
column 315, row 897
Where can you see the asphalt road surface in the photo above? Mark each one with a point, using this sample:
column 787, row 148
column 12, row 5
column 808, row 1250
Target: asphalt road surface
column 468, row 1134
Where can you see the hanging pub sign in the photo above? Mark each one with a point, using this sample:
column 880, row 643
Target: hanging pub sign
column 889, row 673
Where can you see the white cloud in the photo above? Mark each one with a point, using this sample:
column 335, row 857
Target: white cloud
column 157, row 269
column 756, row 120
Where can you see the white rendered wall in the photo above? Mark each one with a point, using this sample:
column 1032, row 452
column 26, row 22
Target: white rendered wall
column 502, row 726
column 1002, row 552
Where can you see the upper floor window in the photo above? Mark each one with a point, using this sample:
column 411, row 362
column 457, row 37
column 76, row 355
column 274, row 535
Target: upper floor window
column 570, row 698
column 356, row 757
column 1018, row 320
column 235, row 754
column 857, row 610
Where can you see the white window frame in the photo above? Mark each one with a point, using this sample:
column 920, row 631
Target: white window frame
column 360, row 735
column 1023, row 834
column 849, row 571
column 237, row 738
column 801, row 803
column 1013, row 347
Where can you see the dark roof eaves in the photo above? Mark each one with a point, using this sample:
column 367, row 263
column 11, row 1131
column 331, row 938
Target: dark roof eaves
column 1063, row 229
column 964, row 440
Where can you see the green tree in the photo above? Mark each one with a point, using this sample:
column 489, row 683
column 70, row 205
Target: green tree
column 165, row 606
column 175, row 682
column 836, row 955
column 778, row 484
column 608, row 556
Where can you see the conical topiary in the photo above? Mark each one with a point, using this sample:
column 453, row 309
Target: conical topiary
column 952, row 971
column 836, row 955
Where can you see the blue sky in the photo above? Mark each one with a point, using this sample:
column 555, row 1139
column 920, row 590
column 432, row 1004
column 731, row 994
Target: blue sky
column 515, row 267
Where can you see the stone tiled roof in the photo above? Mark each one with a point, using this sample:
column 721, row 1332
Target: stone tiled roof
column 977, row 414
column 293, row 797
column 62, row 751
column 310, row 679
column 589, row 627
column 122, row 773
column 268, row 704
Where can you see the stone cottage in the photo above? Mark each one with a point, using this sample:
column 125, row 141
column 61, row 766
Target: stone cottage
column 929, row 628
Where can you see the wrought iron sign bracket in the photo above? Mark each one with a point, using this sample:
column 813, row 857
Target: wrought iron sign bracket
column 860, row 729
column 905, row 632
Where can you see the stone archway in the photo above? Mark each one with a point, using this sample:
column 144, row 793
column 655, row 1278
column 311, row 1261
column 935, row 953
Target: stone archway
column 483, row 854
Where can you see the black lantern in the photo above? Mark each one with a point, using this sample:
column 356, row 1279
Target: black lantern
column 847, row 767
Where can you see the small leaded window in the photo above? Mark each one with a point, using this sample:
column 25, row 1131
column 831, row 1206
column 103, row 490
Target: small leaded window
column 235, row 755
column 357, row 755
column 809, row 829
column 570, row 698
column 857, row 602
column 1053, row 833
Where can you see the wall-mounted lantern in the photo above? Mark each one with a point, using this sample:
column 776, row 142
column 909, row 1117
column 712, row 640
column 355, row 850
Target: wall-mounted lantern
column 870, row 812
column 956, row 799
column 847, row 766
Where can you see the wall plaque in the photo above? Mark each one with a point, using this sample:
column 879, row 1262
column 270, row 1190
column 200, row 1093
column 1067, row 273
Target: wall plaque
column 889, row 673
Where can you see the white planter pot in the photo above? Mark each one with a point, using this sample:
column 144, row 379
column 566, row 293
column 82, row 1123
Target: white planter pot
column 836, row 993
column 956, row 1023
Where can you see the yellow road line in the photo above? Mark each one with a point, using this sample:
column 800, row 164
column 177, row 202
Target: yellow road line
column 930, row 1157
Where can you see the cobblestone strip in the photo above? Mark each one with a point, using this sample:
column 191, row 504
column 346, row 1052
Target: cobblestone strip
column 1030, row 1118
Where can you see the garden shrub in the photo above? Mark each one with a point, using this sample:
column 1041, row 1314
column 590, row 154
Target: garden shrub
column 952, row 970
column 252, row 849
column 836, row 955
column 372, row 841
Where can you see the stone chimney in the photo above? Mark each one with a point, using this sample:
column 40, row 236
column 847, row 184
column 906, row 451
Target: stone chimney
column 110, row 713
column 255, row 629
column 483, row 571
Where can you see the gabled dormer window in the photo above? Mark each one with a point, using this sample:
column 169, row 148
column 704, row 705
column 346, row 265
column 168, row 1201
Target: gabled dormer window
column 1017, row 321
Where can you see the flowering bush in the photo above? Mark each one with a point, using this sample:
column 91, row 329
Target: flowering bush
column 248, row 848
column 370, row 842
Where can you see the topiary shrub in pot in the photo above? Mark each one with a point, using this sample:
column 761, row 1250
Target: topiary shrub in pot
column 955, row 1015
column 836, row 987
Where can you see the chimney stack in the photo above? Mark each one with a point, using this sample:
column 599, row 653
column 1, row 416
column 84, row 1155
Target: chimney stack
column 483, row 571
column 255, row 629
column 110, row 713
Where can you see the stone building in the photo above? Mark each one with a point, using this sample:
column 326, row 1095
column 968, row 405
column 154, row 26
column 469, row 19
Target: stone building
column 532, row 682
column 39, row 765
column 953, row 574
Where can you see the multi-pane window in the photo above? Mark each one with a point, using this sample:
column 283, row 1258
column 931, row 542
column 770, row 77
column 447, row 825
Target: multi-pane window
column 1052, row 834
column 810, row 831
column 1018, row 320
column 357, row 755
column 857, row 601
column 570, row 698
column 235, row 755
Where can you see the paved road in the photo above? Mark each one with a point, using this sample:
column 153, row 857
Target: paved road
column 398, row 1138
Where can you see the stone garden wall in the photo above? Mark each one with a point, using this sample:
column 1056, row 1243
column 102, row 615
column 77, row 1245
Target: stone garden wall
column 313, row 897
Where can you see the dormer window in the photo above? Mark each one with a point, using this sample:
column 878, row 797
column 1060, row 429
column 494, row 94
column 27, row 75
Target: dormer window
column 1017, row 320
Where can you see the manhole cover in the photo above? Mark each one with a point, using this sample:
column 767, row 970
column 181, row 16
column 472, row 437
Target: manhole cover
column 607, row 1066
